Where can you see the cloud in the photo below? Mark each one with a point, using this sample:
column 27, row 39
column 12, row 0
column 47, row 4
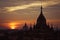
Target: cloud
column 34, row 4
column 13, row 8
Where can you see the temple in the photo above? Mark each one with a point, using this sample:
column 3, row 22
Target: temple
column 40, row 30
column 41, row 22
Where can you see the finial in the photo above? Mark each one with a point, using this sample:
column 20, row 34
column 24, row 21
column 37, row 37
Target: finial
column 41, row 9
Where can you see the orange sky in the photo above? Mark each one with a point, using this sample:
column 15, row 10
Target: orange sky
column 20, row 23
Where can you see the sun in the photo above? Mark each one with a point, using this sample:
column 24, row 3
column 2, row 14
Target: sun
column 12, row 25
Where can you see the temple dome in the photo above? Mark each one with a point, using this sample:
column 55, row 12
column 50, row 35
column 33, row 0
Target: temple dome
column 41, row 19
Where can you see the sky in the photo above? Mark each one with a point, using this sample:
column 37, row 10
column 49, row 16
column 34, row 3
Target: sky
column 28, row 10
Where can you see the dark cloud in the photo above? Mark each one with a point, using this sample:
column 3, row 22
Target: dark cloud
column 53, row 12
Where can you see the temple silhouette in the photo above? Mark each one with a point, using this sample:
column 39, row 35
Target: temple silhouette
column 40, row 31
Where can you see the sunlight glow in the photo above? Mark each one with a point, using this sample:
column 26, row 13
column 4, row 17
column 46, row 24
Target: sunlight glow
column 12, row 25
